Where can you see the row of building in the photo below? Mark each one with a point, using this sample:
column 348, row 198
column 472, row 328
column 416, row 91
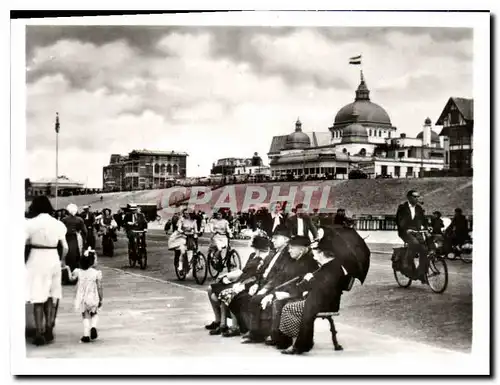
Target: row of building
column 361, row 137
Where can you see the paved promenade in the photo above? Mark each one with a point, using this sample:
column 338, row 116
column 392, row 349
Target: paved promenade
column 148, row 313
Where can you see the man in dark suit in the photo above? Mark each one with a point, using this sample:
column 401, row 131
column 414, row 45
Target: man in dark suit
column 300, row 224
column 298, row 262
column 273, row 264
column 410, row 218
column 271, row 220
column 317, row 291
column 89, row 220
column 134, row 220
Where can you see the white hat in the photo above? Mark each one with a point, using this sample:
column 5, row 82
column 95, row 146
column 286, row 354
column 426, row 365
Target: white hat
column 72, row 208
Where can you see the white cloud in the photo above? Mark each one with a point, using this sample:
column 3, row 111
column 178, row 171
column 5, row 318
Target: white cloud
column 113, row 98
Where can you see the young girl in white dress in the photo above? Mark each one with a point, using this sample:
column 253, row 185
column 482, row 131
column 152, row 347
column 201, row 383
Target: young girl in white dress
column 88, row 293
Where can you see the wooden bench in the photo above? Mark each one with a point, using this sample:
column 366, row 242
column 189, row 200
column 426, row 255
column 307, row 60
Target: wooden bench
column 329, row 317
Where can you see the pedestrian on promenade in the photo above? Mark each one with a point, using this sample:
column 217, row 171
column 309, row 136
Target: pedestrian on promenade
column 89, row 293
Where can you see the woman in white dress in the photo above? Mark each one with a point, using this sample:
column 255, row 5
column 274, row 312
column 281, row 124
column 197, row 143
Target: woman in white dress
column 44, row 234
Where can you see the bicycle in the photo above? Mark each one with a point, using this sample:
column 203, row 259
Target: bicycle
column 198, row 263
column 464, row 252
column 437, row 268
column 138, row 253
column 231, row 260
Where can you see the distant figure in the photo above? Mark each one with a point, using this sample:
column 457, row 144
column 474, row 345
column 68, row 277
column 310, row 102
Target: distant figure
column 437, row 223
column 75, row 236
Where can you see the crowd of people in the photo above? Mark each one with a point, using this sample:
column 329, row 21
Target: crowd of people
column 300, row 265
column 295, row 271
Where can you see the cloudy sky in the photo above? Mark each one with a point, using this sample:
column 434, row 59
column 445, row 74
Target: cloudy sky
column 221, row 91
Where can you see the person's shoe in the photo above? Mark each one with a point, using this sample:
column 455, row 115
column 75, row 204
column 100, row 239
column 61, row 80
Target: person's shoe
column 49, row 335
column 291, row 350
column 218, row 331
column 252, row 339
column 232, row 332
column 212, row 326
column 85, row 339
column 93, row 333
column 246, row 335
column 39, row 340
column 270, row 342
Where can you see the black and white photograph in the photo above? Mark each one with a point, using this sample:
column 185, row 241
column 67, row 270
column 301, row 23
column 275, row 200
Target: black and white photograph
column 245, row 193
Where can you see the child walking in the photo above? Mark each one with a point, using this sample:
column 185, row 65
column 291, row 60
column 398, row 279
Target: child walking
column 88, row 293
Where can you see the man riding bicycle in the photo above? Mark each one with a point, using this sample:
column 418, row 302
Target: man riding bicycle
column 134, row 220
column 220, row 240
column 410, row 219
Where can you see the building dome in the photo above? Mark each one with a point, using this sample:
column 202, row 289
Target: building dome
column 354, row 133
column 428, row 121
column 297, row 139
column 434, row 136
column 368, row 112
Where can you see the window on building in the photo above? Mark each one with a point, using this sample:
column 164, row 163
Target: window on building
column 409, row 171
column 401, row 154
column 379, row 133
column 169, row 169
column 344, row 150
column 389, row 134
column 370, row 132
column 397, row 170
column 384, row 170
column 362, row 152
column 157, row 168
column 175, row 169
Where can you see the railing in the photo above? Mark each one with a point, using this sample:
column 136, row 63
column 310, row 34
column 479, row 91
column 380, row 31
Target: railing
column 385, row 223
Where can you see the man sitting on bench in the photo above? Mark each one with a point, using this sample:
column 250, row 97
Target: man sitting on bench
column 316, row 292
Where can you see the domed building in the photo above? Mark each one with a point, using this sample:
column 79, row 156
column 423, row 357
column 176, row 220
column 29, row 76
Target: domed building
column 297, row 139
column 362, row 137
column 364, row 112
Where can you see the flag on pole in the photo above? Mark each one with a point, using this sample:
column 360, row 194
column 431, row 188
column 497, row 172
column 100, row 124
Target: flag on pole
column 355, row 60
column 57, row 122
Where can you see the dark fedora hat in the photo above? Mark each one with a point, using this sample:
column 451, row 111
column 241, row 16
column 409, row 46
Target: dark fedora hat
column 261, row 242
column 300, row 241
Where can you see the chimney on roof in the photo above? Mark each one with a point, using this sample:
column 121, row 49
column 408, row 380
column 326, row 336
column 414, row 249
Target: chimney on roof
column 403, row 135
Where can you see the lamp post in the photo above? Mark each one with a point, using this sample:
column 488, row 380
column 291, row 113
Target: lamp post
column 57, row 155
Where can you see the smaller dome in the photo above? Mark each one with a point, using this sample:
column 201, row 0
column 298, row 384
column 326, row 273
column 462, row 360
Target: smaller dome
column 434, row 136
column 354, row 133
column 428, row 121
column 297, row 139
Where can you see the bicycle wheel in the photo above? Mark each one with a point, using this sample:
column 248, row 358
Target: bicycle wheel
column 401, row 279
column 200, row 269
column 181, row 274
column 131, row 258
column 437, row 275
column 212, row 265
column 143, row 259
column 234, row 261
column 451, row 256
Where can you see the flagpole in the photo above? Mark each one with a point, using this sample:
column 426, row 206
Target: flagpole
column 57, row 155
